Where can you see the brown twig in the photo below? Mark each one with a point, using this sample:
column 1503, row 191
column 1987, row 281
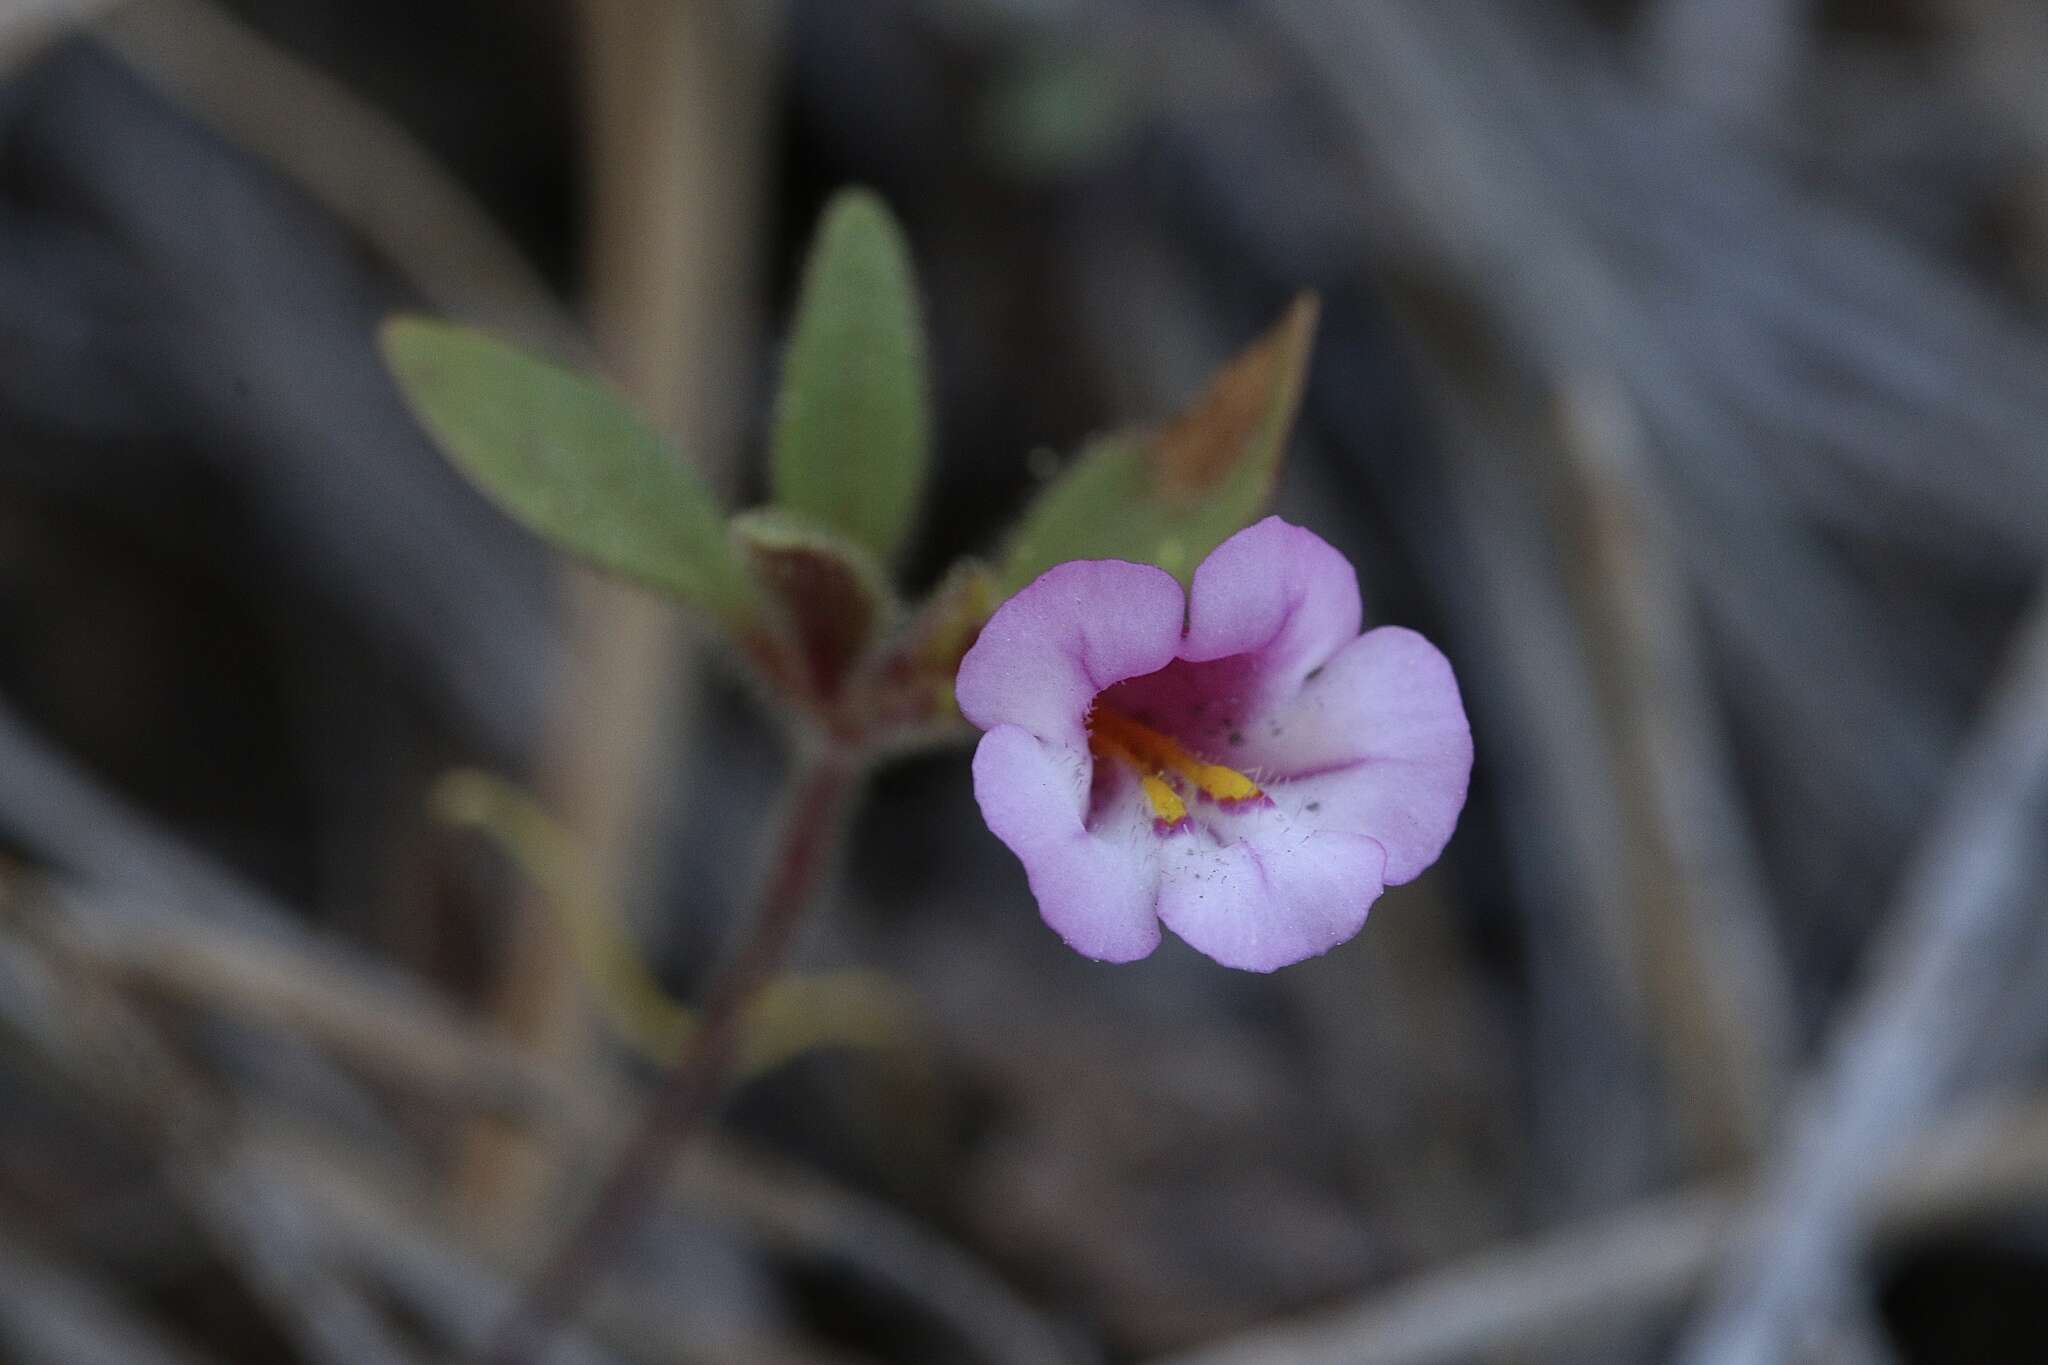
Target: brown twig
column 1641, row 1260
column 799, row 860
column 1966, row 899
column 1551, row 754
column 380, row 1217
column 1983, row 1161
column 1714, row 977
column 114, row 1052
column 60, row 1315
column 158, row 915
column 356, row 160
column 267, row 1214
column 674, row 112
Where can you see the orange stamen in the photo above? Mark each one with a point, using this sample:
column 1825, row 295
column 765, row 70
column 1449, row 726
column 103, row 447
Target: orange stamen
column 1158, row 757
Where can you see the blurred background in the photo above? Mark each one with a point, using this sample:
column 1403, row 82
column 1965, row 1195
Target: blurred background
column 1683, row 372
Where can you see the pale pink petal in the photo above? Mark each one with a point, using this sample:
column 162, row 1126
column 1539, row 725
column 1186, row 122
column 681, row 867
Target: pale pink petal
column 1077, row 629
column 1277, row 591
column 1098, row 891
column 1267, row 606
column 1281, row 895
column 1375, row 743
column 1360, row 745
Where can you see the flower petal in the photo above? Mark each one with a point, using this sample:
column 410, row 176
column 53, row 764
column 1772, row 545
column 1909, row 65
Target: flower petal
column 1078, row 628
column 1268, row 605
column 1275, row 590
column 1375, row 743
column 1099, row 894
column 1274, row 898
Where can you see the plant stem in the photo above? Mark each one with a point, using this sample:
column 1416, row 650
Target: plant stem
column 692, row 1088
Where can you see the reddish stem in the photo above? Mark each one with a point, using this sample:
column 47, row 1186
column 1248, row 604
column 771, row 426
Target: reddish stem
column 692, row 1088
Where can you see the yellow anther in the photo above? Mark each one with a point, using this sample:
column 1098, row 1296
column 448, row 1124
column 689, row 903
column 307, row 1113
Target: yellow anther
column 1219, row 783
column 1166, row 802
column 1156, row 756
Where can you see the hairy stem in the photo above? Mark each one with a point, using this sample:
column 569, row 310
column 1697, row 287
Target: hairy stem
column 692, row 1088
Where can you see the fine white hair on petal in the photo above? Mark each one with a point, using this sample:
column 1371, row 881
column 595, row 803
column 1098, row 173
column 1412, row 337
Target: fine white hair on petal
column 1263, row 903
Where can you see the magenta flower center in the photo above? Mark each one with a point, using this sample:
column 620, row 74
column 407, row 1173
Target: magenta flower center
column 1124, row 730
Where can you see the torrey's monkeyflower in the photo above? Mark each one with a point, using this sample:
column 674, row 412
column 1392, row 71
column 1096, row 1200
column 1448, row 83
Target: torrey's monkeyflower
column 1240, row 764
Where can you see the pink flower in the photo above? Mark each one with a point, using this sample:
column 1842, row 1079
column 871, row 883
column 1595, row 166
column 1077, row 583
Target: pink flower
column 1241, row 764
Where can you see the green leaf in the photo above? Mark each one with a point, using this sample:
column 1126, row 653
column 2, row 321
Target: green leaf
column 1171, row 496
column 852, row 427
column 568, row 458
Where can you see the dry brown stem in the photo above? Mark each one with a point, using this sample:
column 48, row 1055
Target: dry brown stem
column 1649, row 1257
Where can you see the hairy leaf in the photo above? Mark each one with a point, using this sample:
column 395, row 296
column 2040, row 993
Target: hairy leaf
column 1169, row 497
column 568, row 458
column 852, row 427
